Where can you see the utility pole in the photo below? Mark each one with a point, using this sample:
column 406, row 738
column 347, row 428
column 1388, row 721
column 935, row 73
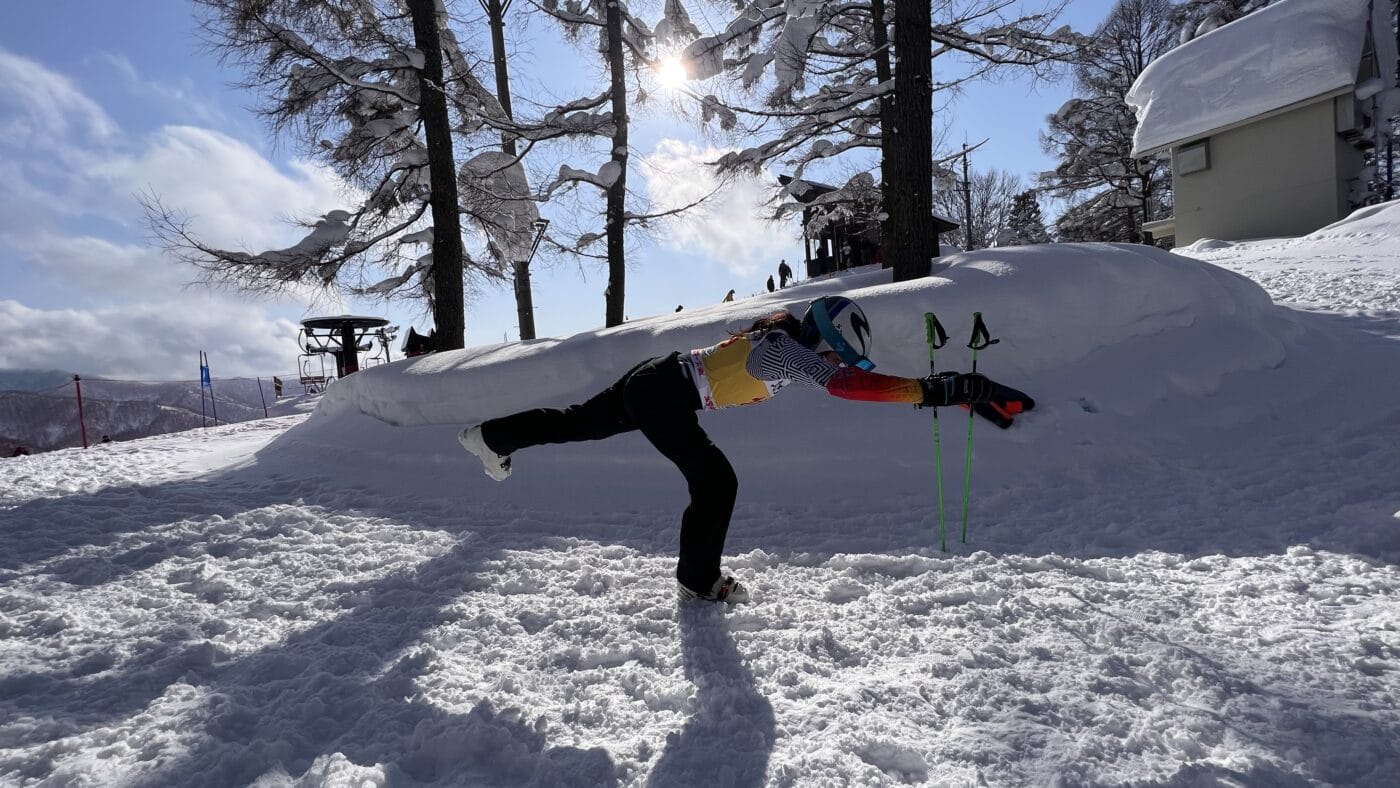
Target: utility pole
column 967, row 202
column 82, row 423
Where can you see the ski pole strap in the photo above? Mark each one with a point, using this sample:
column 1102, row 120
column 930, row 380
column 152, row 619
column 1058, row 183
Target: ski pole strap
column 933, row 331
column 980, row 337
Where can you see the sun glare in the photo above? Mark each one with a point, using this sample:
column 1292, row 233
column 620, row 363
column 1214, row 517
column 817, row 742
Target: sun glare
column 670, row 71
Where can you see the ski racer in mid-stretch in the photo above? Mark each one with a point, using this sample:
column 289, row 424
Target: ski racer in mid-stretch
column 826, row 348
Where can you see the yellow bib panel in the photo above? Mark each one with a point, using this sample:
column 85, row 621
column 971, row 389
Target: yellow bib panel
column 722, row 376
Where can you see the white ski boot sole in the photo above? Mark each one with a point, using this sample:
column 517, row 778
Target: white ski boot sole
column 495, row 465
column 727, row 590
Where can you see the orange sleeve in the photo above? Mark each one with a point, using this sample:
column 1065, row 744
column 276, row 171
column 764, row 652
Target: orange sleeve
column 855, row 383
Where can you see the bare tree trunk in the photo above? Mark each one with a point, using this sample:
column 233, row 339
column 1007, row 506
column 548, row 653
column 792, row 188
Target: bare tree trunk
column 1146, row 208
column 880, row 39
column 449, row 308
column 496, row 15
column 524, row 298
column 908, row 231
column 615, row 296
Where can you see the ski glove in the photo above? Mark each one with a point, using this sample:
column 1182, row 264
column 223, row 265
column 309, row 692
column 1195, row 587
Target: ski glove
column 953, row 388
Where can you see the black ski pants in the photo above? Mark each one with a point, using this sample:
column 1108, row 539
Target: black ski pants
column 657, row 398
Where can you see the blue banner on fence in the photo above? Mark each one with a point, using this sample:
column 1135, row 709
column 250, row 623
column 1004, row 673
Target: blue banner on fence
column 204, row 381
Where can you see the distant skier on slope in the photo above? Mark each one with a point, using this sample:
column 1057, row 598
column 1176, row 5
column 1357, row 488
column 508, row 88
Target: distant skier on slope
column 827, row 348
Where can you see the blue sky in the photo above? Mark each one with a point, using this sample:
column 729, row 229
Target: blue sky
column 100, row 101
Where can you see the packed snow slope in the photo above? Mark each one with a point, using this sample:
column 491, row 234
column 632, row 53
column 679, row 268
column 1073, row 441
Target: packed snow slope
column 1181, row 567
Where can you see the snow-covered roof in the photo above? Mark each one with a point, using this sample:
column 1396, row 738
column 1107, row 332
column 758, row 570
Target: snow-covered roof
column 807, row 191
column 1282, row 55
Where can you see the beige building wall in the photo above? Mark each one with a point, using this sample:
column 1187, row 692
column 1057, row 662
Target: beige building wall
column 1274, row 177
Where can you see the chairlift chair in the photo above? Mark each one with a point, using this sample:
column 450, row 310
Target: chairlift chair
column 380, row 357
column 312, row 367
column 311, row 364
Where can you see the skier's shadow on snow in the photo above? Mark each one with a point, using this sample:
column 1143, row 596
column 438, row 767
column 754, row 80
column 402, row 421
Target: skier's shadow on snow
column 348, row 687
column 730, row 734
column 1337, row 747
column 44, row 528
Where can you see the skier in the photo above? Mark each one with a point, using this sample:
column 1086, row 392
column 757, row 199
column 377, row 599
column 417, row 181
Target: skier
column 729, row 297
column 770, row 283
column 826, row 348
column 784, row 273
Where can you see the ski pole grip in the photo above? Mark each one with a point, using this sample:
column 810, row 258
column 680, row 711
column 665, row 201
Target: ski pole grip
column 933, row 332
column 980, row 337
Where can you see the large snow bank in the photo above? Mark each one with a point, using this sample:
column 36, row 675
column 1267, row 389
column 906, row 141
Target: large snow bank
column 1291, row 51
column 1109, row 330
column 1051, row 305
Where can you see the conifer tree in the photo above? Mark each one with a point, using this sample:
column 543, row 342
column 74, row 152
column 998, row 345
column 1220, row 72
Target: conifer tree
column 819, row 82
column 1197, row 17
column 1092, row 133
column 1025, row 225
column 378, row 92
column 385, row 93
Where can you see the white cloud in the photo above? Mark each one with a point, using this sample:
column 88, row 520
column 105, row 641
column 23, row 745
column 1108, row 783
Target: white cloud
column 148, row 340
column 234, row 195
column 182, row 97
column 100, row 266
column 40, row 104
column 84, row 289
column 731, row 227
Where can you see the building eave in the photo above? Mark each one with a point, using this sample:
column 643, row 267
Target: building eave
column 1273, row 113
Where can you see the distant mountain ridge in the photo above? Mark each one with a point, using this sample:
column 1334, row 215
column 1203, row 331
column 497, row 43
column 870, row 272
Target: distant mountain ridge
column 32, row 379
column 44, row 416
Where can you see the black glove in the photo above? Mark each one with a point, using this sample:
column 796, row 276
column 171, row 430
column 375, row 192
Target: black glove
column 953, row 388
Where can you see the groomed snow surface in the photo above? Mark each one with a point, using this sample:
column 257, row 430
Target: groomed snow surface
column 1181, row 570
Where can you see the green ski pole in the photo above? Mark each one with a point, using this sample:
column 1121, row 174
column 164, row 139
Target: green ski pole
column 937, row 338
column 980, row 339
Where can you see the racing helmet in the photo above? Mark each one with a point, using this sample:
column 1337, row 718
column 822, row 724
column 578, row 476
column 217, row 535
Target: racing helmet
column 837, row 323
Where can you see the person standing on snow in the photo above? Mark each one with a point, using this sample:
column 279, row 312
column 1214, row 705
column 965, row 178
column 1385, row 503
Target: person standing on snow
column 784, row 273
column 770, row 283
column 827, row 348
column 728, row 297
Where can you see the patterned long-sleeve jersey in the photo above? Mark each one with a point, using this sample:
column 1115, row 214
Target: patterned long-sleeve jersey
column 750, row 368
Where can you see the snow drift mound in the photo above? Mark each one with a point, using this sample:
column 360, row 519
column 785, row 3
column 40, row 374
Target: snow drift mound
column 1049, row 305
column 1373, row 222
column 1091, row 330
column 1352, row 265
column 1363, row 229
